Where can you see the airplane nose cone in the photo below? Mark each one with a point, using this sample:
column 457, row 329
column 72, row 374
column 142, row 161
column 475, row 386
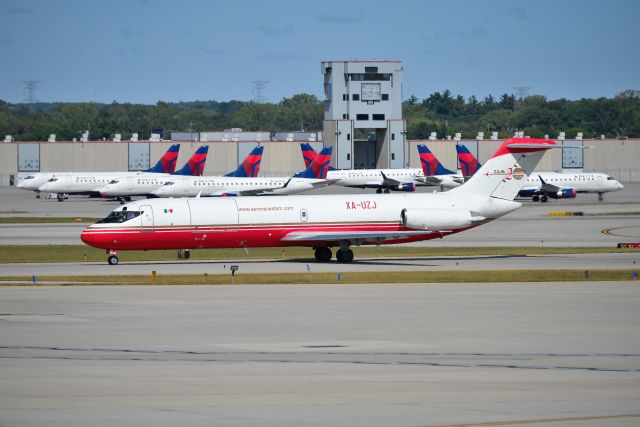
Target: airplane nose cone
column 93, row 239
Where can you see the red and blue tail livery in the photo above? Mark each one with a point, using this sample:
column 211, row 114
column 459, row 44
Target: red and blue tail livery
column 430, row 164
column 195, row 165
column 319, row 167
column 308, row 153
column 469, row 165
column 250, row 165
column 167, row 163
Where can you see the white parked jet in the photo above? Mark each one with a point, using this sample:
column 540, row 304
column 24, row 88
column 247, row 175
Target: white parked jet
column 33, row 182
column 90, row 183
column 541, row 186
column 432, row 173
column 320, row 221
column 148, row 186
column 556, row 185
column 187, row 186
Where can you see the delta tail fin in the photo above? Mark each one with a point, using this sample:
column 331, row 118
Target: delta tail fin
column 308, row 153
column 469, row 165
column 167, row 163
column 195, row 165
column 319, row 166
column 430, row 164
column 250, row 166
column 504, row 173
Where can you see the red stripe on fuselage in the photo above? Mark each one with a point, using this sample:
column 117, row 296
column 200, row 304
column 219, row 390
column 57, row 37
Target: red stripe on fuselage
column 215, row 237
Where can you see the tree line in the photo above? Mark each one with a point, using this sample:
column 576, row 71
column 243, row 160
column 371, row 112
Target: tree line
column 440, row 112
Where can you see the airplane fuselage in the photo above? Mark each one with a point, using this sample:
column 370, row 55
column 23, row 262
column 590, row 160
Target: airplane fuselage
column 87, row 183
column 580, row 182
column 287, row 220
column 221, row 185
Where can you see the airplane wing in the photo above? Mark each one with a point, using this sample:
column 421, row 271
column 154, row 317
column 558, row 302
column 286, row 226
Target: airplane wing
column 354, row 237
column 546, row 187
column 389, row 182
column 428, row 180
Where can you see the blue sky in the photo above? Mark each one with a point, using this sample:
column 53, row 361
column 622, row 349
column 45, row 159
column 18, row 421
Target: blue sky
column 145, row 51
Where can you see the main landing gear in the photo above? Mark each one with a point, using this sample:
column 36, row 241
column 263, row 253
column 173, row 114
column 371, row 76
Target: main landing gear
column 344, row 255
column 542, row 199
column 112, row 259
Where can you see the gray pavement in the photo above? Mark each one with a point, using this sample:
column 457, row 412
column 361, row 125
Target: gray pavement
column 569, row 261
column 316, row 355
column 531, row 225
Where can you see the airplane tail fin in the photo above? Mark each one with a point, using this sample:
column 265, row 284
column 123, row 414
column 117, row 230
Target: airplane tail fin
column 319, row 166
column 430, row 164
column 308, row 153
column 167, row 163
column 469, row 165
column 195, row 165
column 250, row 165
column 504, row 173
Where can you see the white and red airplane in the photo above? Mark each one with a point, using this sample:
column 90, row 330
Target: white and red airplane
column 321, row 221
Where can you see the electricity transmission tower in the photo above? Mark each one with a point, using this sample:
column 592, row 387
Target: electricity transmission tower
column 258, row 91
column 30, row 87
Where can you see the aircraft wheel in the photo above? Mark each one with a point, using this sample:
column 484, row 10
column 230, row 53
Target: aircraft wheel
column 379, row 191
column 544, row 199
column 38, row 195
column 323, row 254
column 112, row 260
column 535, row 198
column 121, row 200
column 60, row 197
column 128, row 198
column 600, row 197
column 344, row 256
column 386, row 191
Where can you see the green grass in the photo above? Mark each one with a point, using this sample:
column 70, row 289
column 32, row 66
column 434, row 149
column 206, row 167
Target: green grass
column 45, row 220
column 492, row 276
column 79, row 253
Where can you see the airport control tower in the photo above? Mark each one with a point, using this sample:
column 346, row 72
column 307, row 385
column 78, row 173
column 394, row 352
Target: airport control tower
column 365, row 98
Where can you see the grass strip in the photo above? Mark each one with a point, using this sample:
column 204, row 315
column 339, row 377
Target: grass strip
column 46, row 220
column 80, row 253
column 480, row 276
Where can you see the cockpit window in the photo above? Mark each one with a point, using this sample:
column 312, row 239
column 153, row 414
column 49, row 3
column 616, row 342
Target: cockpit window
column 609, row 178
column 119, row 216
column 169, row 183
column 113, row 181
column 53, row 180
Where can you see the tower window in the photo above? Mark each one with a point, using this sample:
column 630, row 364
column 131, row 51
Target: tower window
column 356, row 97
column 362, row 116
column 385, row 96
column 378, row 116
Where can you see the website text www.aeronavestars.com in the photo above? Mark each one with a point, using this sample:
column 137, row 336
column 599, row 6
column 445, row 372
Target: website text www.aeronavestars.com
column 266, row 209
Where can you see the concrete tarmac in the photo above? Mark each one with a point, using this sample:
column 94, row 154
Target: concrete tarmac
column 558, row 354
column 534, row 262
column 530, row 225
